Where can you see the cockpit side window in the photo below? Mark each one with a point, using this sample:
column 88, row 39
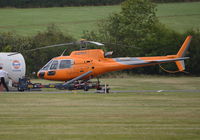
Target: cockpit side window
column 65, row 64
column 46, row 67
column 54, row 65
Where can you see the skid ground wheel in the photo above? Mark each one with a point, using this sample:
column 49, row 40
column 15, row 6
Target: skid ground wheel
column 20, row 89
column 86, row 88
column 107, row 90
column 99, row 88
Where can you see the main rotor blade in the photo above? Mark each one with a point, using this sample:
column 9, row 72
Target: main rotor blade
column 96, row 43
column 51, row 46
column 58, row 45
column 121, row 45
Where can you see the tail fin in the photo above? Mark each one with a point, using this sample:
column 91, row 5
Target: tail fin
column 182, row 52
column 184, row 47
column 180, row 65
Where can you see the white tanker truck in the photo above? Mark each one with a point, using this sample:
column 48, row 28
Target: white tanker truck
column 14, row 65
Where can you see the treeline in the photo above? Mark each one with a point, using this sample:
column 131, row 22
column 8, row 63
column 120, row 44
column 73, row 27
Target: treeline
column 166, row 1
column 62, row 3
column 55, row 3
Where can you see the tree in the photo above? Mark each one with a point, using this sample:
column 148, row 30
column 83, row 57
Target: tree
column 132, row 26
column 193, row 63
column 135, row 21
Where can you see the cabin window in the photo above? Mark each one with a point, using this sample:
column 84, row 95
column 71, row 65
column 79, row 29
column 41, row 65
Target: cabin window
column 46, row 67
column 54, row 65
column 65, row 64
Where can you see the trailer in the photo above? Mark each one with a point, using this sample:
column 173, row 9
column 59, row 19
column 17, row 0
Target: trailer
column 25, row 84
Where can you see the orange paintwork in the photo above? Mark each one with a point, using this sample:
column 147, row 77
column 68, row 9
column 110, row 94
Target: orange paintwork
column 94, row 60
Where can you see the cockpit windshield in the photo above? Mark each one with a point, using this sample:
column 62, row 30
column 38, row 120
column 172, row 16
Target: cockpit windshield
column 46, row 67
column 58, row 64
column 65, row 64
column 54, row 65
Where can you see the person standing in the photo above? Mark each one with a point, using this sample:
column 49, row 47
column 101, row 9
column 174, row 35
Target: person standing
column 3, row 75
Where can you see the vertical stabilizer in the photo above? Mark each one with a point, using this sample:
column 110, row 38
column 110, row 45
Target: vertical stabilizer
column 182, row 52
column 180, row 65
column 184, row 47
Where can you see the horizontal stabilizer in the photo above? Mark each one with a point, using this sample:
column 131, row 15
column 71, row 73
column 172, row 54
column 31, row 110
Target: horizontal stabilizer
column 169, row 60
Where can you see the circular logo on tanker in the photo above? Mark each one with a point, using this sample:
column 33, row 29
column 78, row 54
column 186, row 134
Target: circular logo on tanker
column 16, row 64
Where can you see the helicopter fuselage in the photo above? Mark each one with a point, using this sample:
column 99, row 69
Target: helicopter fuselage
column 64, row 68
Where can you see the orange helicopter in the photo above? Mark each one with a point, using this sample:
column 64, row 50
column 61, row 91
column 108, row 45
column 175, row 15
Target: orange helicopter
column 81, row 66
column 89, row 63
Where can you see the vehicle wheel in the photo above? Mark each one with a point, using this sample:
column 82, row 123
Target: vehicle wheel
column 107, row 90
column 19, row 89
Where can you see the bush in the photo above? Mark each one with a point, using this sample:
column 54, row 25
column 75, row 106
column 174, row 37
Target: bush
column 193, row 63
column 11, row 42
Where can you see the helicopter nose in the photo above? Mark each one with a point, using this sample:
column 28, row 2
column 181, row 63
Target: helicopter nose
column 41, row 74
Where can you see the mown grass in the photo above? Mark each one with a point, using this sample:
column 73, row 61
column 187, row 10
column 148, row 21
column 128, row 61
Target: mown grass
column 94, row 116
column 154, row 83
column 180, row 16
column 115, row 116
column 145, row 82
column 74, row 20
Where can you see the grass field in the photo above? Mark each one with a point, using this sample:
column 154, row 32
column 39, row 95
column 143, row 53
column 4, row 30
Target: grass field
column 116, row 116
column 74, row 20
column 145, row 82
column 180, row 16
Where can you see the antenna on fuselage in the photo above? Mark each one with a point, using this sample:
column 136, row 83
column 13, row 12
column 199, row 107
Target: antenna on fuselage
column 83, row 44
column 63, row 52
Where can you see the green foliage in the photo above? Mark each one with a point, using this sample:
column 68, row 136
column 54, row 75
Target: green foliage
column 11, row 42
column 135, row 21
column 130, row 27
column 137, row 26
column 194, row 51
column 37, row 59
